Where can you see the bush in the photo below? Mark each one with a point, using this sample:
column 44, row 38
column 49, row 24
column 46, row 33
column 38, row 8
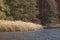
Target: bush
column 9, row 18
column 2, row 15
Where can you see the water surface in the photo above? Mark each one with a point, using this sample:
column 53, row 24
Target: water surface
column 46, row 34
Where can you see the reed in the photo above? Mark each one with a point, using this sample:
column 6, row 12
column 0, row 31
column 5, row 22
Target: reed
column 18, row 26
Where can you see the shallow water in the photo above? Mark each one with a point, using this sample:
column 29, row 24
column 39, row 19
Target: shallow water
column 46, row 34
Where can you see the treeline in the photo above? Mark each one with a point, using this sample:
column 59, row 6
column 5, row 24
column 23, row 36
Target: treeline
column 26, row 10
column 36, row 11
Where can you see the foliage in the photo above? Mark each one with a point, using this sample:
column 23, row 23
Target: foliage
column 9, row 18
column 2, row 15
column 26, row 10
column 5, row 10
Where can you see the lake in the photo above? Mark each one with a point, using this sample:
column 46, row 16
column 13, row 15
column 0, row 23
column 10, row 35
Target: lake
column 45, row 34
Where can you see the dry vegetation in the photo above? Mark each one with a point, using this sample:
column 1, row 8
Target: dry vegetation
column 14, row 26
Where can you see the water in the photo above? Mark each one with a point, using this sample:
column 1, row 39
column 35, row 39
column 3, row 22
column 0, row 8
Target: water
column 46, row 34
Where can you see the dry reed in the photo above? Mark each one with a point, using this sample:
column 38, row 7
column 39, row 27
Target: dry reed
column 18, row 26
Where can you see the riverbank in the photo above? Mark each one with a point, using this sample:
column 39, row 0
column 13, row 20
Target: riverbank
column 52, row 26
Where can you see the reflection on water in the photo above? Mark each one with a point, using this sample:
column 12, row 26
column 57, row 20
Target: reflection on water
column 46, row 34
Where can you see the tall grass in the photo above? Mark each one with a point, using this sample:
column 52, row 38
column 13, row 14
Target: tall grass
column 20, row 26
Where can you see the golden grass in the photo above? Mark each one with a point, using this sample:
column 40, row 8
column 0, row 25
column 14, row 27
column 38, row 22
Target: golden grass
column 14, row 26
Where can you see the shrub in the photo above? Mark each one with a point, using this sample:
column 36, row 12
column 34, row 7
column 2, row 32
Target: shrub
column 9, row 18
column 2, row 15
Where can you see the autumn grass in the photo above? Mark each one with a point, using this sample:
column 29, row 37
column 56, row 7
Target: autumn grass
column 18, row 26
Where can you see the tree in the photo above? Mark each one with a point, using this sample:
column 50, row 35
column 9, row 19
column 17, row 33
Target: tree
column 53, row 18
column 25, row 10
column 5, row 10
